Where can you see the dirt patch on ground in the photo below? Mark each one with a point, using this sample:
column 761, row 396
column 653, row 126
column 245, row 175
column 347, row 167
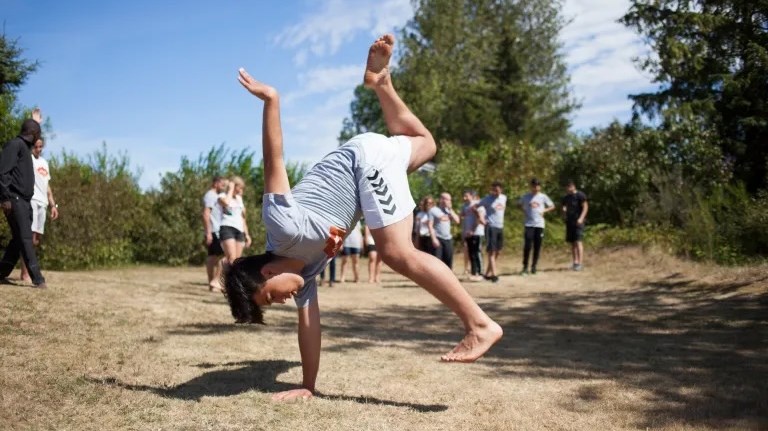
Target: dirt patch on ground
column 636, row 341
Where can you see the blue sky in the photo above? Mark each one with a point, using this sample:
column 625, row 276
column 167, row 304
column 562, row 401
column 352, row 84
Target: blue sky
column 158, row 81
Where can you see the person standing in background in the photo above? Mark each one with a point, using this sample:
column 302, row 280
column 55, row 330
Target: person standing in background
column 211, row 224
column 41, row 199
column 440, row 219
column 422, row 225
column 575, row 208
column 534, row 204
column 473, row 230
column 495, row 203
column 353, row 245
column 233, row 230
column 17, row 186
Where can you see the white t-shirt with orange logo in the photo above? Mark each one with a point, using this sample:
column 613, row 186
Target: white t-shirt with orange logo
column 42, row 177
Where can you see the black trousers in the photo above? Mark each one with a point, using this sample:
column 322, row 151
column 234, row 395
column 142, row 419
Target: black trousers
column 20, row 222
column 473, row 249
column 445, row 252
column 533, row 238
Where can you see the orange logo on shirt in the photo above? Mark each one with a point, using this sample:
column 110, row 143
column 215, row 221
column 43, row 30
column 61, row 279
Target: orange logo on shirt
column 499, row 207
column 42, row 171
column 334, row 241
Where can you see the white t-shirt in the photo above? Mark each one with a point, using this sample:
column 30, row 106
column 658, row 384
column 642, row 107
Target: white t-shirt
column 480, row 229
column 422, row 220
column 211, row 200
column 534, row 206
column 355, row 238
column 42, row 177
column 232, row 215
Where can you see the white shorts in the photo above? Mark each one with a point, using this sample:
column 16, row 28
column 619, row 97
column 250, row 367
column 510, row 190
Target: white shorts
column 382, row 179
column 38, row 217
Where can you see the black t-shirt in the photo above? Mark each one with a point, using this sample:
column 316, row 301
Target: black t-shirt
column 574, row 204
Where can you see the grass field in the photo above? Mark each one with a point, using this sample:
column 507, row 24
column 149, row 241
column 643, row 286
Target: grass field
column 637, row 341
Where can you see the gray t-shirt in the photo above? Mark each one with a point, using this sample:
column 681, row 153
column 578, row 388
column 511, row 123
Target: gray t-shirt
column 494, row 208
column 310, row 222
column 211, row 200
column 534, row 206
column 441, row 220
column 468, row 218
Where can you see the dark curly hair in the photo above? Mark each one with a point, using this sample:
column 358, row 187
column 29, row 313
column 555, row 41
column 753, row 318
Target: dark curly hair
column 242, row 280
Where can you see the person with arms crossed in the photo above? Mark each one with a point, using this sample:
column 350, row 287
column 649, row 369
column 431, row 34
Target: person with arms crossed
column 575, row 208
column 17, row 186
column 441, row 218
column 367, row 176
column 495, row 203
column 211, row 225
column 534, row 204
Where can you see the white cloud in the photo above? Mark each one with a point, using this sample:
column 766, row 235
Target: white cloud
column 326, row 79
column 322, row 32
column 600, row 53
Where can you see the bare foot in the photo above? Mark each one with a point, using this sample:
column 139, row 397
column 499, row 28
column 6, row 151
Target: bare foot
column 258, row 89
column 26, row 279
column 475, row 344
column 377, row 67
column 215, row 286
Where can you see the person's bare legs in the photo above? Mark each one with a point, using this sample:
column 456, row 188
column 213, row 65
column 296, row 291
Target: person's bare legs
column 343, row 276
column 396, row 248
column 491, row 270
column 394, row 241
column 377, row 268
column 398, row 118
column 355, row 258
column 213, row 269
column 372, row 257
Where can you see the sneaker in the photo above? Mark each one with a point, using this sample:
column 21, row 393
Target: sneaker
column 494, row 279
column 577, row 267
column 524, row 272
column 533, row 270
column 40, row 286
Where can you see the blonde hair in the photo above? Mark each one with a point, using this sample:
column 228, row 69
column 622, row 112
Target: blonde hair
column 238, row 181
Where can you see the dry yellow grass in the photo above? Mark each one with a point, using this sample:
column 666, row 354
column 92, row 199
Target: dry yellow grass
column 637, row 341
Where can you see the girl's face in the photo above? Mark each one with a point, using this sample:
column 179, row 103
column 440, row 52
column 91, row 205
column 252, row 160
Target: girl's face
column 239, row 189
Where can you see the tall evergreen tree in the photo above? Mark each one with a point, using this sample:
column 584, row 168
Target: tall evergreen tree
column 710, row 59
column 481, row 70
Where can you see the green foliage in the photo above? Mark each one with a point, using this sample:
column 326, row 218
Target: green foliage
column 478, row 71
column 14, row 69
column 106, row 220
column 173, row 234
column 366, row 115
column 710, row 58
column 101, row 209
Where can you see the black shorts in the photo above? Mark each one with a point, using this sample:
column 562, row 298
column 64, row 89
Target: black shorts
column 228, row 232
column 370, row 247
column 574, row 232
column 215, row 248
column 349, row 251
column 494, row 238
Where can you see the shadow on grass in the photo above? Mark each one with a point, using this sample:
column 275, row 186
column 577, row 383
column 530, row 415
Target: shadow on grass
column 260, row 376
column 699, row 352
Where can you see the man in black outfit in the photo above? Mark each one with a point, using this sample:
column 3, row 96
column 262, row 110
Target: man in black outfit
column 575, row 208
column 17, row 185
